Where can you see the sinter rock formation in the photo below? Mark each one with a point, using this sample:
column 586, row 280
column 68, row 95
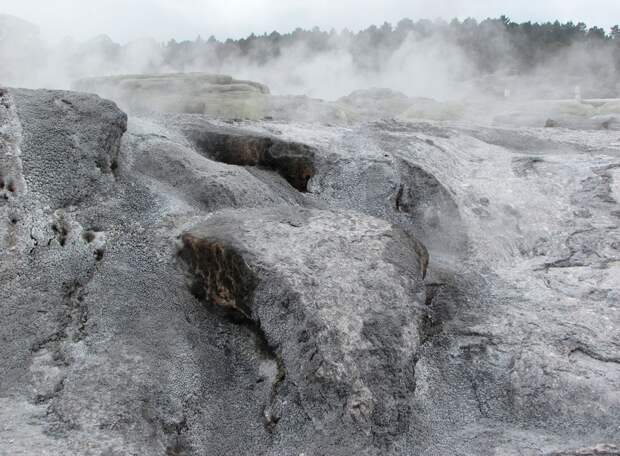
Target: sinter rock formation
column 223, row 97
column 216, row 95
column 175, row 284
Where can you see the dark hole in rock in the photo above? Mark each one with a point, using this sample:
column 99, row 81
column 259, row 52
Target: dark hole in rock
column 550, row 123
column 99, row 254
column 88, row 236
column 293, row 161
column 11, row 187
column 221, row 274
column 61, row 233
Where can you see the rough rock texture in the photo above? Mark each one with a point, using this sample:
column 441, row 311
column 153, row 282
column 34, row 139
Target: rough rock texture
column 192, row 286
column 338, row 298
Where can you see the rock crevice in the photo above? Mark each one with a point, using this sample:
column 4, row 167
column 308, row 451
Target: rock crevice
column 294, row 161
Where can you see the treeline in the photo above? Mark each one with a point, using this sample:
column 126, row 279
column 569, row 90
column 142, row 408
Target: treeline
column 491, row 44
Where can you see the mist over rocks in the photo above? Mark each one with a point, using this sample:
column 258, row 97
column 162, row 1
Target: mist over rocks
column 20, row 48
column 223, row 97
column 457, row 60
column 216, row 95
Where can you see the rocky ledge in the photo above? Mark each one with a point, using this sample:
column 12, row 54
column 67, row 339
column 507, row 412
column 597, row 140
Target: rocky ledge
column 174, row 284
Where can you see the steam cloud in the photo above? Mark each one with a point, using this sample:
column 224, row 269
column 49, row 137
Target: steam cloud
column 428, row 61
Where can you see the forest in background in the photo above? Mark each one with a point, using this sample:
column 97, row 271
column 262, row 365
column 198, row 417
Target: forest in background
column 423, row 57
column 492, row 44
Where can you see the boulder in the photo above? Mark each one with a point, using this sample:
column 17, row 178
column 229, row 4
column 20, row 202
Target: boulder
column 338, row 298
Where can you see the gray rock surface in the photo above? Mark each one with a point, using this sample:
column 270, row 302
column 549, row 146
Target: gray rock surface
column 177, row 284
column 338, row 299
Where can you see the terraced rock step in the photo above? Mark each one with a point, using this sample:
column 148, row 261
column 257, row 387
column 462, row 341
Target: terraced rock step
column 339, row 297
column 381, row 288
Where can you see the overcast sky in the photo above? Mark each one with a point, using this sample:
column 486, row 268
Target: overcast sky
column 125, row 20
